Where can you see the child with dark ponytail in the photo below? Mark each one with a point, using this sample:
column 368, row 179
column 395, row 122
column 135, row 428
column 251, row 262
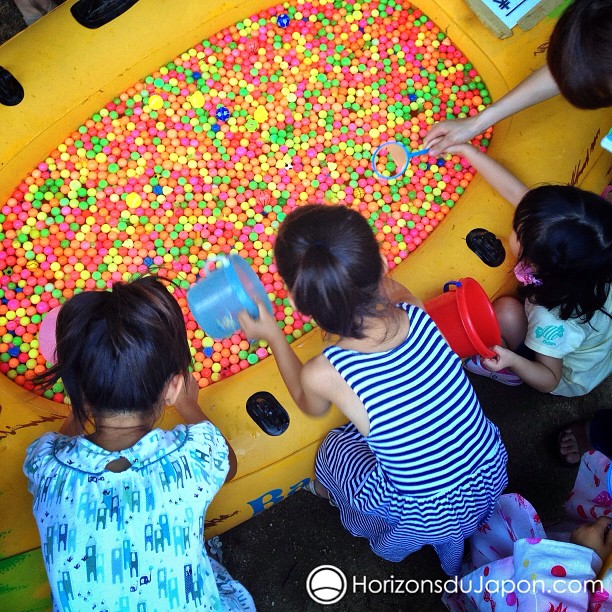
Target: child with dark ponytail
column 418, row 463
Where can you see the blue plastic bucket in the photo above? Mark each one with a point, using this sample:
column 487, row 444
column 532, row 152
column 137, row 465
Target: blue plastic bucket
column 217, row 298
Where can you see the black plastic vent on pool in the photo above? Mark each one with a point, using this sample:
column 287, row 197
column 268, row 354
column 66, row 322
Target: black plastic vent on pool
column 267, row 412
column 95, row 13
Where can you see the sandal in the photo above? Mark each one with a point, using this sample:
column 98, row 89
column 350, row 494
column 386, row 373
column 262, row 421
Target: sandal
column 310, row 487
column 578, row 430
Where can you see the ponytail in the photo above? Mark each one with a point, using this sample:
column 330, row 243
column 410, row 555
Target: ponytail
column 329, row 259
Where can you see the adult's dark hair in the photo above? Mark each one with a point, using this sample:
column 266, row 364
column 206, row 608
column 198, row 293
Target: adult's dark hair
column 566, row 234
column 579, row 53
column 116, row 350
column 329, row 258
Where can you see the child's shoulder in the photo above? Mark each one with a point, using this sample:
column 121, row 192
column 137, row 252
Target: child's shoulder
column 40, row 455
column 203, row 436
column 44, row 445
column 319, row 370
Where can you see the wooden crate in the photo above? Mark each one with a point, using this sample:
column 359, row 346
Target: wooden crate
column 500, row 16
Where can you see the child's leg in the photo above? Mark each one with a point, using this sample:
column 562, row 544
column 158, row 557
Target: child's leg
column 316, row 488
column 32, row 10
column 512, row 321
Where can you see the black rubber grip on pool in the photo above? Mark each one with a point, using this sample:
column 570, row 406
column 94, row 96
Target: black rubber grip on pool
column 95, row 13
column 11, row 90
column 268, row 413
column 487, row 246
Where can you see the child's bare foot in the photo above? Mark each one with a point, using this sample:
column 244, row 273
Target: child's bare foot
column 573, row 441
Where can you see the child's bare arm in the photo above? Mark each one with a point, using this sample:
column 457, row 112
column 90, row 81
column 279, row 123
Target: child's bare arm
column 289, row 364
column 543, row 374
column 501, row 179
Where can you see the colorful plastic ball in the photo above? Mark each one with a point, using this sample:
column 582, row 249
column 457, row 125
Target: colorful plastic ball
column 222, row 113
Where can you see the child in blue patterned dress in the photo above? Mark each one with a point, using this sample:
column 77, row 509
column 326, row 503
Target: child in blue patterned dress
column 418, row 463
column 121, row 510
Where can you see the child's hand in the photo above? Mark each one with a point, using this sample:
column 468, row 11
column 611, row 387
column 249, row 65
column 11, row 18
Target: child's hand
column 463, row 150
column 264, row 328
column 505, row 359
column 443, row 135
column 596, row 536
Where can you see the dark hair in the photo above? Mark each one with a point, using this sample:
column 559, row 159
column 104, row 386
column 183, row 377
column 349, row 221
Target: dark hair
column 117, row 350
column 329, row 258
column 579, row 54
column 566, row 234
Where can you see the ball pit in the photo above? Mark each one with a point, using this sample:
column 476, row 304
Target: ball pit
column 66, row 82
column 209, row 153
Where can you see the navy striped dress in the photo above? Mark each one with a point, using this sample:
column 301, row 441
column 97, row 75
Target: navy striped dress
column 432, row 466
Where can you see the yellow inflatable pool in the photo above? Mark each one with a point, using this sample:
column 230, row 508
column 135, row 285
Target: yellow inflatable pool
column 69, row 73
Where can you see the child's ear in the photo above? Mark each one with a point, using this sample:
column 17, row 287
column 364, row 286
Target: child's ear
column 385, row 263
column 173, row 388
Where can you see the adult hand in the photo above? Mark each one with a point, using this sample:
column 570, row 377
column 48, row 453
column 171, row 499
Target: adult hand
column 445, row 134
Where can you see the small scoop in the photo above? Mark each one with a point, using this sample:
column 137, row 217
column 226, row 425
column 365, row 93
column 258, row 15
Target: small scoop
column 391, row 159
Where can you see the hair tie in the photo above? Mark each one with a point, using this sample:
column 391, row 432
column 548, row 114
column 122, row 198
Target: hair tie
column 525, row 274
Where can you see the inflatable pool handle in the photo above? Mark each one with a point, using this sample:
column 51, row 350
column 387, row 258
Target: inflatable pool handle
column 450, row 284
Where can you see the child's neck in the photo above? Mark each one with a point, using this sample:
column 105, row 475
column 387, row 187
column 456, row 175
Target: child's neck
column 116, row 433
column 382, row 333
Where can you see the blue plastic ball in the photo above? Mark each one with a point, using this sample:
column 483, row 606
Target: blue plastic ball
column 222, row 113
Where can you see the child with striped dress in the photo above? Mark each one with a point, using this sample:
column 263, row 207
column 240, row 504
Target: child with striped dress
column 418, row 463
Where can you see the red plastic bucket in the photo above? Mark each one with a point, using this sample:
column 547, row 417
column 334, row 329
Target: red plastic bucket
column 466, row 318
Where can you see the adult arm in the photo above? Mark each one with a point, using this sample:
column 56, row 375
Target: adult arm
column 536, row 88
